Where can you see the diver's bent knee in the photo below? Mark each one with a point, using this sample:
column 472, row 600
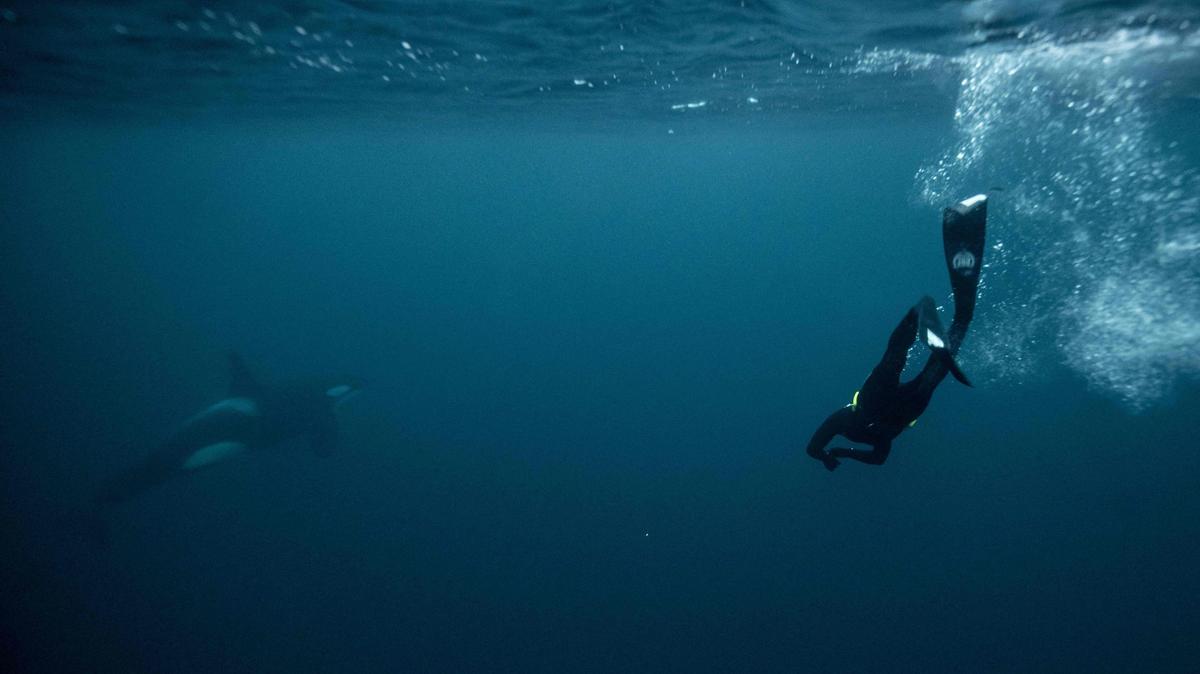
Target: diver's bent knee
column 877, row 457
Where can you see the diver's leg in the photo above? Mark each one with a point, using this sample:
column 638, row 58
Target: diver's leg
column 915, row 393
column 931, row 332
column 923, row 384
column 835, row 423
column 874, row 456
column 913, row 396
column 901, row 340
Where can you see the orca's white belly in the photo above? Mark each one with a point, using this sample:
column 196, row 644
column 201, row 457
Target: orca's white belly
column 244, row 406
column 214, row 453
column 220, row 451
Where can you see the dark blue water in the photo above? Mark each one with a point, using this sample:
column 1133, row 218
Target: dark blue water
column 599, row 322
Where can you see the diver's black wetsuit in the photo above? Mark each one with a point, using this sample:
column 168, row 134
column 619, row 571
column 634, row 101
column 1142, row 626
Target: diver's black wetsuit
column 884, row 406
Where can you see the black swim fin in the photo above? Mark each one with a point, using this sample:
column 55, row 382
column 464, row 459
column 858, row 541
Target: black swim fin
column 930, row 331
column 952, row 366
column 929, row 326
column 964, row 227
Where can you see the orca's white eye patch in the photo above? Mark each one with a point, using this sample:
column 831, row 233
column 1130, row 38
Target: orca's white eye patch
column 337, row 391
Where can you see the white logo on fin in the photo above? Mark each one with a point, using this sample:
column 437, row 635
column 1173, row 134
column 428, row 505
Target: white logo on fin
column 933, row 340
column 963, row 260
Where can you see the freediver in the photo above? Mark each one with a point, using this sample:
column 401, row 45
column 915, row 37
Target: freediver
column 884, row 407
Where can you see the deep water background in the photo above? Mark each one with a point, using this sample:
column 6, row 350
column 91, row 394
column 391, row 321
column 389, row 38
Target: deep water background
column 594, row 359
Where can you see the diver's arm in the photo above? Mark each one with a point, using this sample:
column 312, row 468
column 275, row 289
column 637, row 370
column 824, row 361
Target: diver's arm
column 834, row 424
column 874, row 456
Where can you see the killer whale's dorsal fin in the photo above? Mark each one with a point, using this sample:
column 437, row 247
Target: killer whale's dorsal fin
column 241, row 383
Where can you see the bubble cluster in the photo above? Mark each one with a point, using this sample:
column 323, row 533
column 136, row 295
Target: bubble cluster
column 1100, row 218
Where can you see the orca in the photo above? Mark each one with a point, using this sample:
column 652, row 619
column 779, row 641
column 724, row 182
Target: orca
column 250, row 418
